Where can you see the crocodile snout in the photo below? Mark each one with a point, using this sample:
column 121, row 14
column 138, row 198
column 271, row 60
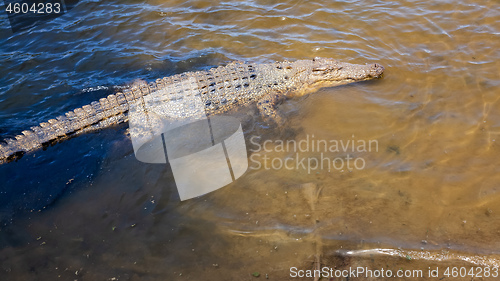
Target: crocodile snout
column 376, row 70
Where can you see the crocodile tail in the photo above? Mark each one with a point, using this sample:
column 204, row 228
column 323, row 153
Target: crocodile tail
column 99, row 114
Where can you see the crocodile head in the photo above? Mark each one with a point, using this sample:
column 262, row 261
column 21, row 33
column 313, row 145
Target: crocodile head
column 326, row 72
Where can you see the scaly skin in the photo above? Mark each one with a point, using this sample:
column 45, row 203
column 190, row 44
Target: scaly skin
column 220, row 89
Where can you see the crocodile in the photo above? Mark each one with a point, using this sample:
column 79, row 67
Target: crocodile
column 220, row 89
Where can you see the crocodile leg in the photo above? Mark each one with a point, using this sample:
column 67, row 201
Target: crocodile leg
column 267, row 107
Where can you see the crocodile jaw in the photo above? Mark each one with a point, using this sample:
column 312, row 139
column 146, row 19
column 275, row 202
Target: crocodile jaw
column 330, row 73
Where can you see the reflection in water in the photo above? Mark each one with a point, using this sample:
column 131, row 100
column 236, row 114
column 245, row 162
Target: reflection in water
column 431, row 188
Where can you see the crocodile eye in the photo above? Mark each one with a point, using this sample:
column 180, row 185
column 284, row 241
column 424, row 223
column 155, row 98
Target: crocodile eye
column 320, row 68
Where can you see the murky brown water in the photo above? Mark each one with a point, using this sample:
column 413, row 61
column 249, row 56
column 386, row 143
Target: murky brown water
column 428, row 196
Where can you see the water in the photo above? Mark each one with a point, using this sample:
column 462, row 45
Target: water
column 427, row 197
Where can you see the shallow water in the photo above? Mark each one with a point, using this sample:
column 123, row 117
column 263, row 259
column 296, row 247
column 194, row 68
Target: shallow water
column 427, row 197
